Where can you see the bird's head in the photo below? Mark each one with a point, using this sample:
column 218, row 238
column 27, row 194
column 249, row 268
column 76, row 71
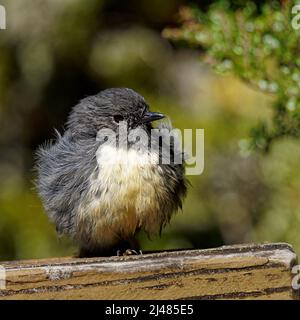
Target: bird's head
column 108, row 109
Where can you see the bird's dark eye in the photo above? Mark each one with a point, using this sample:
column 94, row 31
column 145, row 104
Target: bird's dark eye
column 118, row 118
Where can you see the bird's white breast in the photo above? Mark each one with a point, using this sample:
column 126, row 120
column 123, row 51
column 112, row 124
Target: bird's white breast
column 124, row 194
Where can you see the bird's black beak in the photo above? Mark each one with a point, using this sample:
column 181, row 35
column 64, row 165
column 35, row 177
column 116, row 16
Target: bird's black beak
column 151, row 116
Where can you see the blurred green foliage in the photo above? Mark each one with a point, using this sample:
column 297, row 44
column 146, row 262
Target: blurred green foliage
column 54, row 53
column 258, row 44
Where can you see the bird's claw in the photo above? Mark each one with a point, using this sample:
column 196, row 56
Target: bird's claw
column 129, row 252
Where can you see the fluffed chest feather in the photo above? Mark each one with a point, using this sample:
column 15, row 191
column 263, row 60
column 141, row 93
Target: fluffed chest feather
column 127, row 191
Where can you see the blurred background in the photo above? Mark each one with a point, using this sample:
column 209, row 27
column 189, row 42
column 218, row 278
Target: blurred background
column 55, row 52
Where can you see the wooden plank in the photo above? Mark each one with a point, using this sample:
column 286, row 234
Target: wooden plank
column 229, row 272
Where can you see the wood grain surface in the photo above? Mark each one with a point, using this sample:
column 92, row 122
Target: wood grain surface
column 231, row 272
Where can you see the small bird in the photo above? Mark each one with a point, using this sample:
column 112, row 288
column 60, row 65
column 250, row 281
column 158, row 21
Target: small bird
column 100, row 194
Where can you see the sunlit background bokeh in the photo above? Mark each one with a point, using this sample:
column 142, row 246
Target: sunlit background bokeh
column 56, row 52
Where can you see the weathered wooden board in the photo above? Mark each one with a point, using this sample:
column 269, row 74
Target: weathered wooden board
column 229, row 272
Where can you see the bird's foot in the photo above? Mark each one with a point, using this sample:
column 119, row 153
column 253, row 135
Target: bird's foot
column 129, row 252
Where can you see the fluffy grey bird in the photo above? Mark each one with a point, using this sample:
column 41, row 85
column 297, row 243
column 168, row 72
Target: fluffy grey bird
column 102, row 194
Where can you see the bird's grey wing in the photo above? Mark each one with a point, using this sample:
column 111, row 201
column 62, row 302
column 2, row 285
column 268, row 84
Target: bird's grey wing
column 64, row 168
column 174, row 171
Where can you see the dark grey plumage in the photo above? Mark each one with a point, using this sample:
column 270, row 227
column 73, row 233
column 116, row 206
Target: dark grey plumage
column 67, row 166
